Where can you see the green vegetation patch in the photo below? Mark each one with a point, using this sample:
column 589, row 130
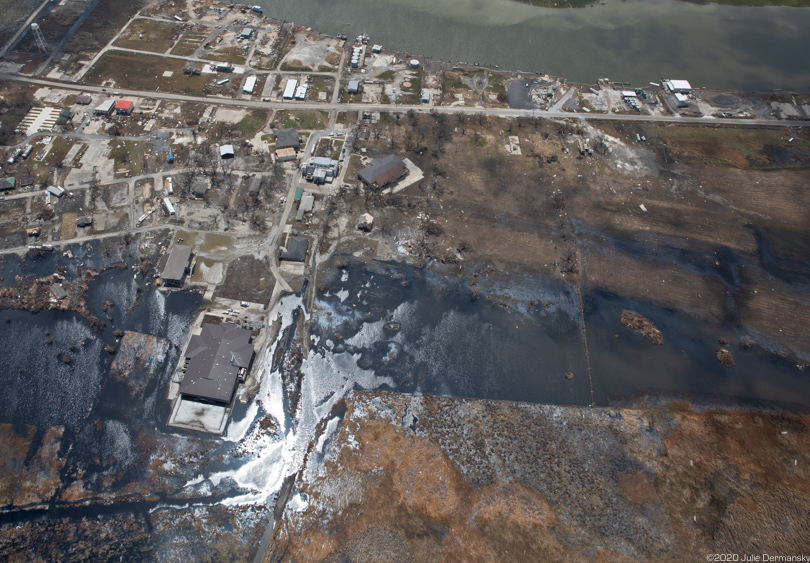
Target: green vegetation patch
column 145, row 72
column 305, row 120
column 233, row 55
column 295, row 66
column 129, row 155
column 190, row 42
column 319, row 83
column 355, row 165
column 252, row 122
column 150, row 35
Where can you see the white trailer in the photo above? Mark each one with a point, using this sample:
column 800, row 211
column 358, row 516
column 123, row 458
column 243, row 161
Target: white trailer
column 168, row 205
column 169, row 187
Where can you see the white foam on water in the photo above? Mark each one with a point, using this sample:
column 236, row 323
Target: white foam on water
column 328, row 377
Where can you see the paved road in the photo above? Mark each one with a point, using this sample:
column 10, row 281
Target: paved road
column 331, row 106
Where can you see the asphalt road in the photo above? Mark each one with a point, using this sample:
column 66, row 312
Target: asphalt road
column 331, row 106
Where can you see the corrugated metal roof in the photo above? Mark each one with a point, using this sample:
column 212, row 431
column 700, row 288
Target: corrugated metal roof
column 178, row 261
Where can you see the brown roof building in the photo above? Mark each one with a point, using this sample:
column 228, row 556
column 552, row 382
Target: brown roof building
column 216, row 359
column 383, row 171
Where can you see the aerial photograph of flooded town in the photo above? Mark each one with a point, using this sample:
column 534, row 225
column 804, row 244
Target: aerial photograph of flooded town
column 405, row 280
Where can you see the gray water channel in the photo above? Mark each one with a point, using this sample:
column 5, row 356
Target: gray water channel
column 720, row 47
column 431, row 334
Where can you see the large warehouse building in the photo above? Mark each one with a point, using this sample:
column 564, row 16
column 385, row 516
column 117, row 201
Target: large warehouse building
column 215, row 361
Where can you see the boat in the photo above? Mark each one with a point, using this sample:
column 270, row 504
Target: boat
column 257, row 9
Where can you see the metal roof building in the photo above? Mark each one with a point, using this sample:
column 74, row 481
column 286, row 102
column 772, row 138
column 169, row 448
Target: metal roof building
column 306, row 205
column 215, row 361
column 286, row 138
column 354, row 86
column 124, row 107
column 7, row 183
column 226, row 151
column 250, row 84
column 383, row 171
column 84, row 99
column 177, row 266
column 105, row 107
column 247, row 33
column 56, row 191
column 678, row 86
column 289, row 89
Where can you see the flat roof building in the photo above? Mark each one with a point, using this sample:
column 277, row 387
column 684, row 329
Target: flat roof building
column 84, row 99
column 286, row 138
column 124, row 107
column 306, row 205
column 383, row 171
column 286, row 155
column 104, row 108
column 289, row 89
column 678, row 86
column 250, row 84
column 56, row 191
column 215, row 361
column 319, row 168
column 174, row 273
column 681, row 100
column 296, row 249
column 84, row 222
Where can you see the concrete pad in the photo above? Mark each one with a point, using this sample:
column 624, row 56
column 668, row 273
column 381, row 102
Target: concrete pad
column 230, row 115
column 167, row 73
column 789, row 110
column 200, row 417
column 292, row 268
column 414, row 175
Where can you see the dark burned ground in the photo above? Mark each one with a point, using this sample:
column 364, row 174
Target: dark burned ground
column 722, row 236
column 443, row 479
column 243, row 281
